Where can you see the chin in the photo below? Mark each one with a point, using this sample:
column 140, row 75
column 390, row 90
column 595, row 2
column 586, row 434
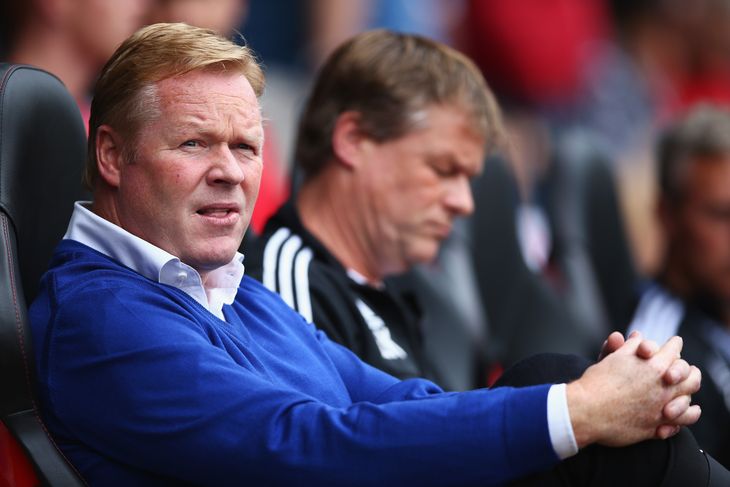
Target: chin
column 423, row 257
column 213, row 260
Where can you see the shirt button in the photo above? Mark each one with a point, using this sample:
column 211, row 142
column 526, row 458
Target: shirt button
column 181, row 277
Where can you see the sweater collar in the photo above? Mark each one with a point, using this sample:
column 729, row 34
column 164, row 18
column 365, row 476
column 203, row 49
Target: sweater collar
column 155, row 263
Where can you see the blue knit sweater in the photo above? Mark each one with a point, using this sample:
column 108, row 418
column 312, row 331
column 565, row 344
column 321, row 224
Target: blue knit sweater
column 140, row 385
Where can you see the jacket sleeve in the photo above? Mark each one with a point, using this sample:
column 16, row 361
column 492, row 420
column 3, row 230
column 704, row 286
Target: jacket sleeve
column 367, row 383
column 128, row 375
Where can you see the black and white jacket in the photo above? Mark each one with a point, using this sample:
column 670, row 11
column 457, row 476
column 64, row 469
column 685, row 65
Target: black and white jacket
column 379, row 324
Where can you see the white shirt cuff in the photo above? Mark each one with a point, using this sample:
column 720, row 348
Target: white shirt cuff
column 559, row 426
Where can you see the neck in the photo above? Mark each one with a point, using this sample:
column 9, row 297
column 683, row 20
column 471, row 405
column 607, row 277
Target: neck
column 103, row 204
column 334, row 217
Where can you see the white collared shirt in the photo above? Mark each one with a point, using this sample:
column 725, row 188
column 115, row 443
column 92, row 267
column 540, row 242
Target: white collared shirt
column 154, row 263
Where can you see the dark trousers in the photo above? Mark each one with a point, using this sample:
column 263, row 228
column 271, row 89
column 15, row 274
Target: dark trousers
column 676, row 462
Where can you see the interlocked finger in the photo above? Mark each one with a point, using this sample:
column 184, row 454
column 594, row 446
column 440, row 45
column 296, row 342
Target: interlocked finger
column 690, row 416
column 691, row 384
column 677, row 372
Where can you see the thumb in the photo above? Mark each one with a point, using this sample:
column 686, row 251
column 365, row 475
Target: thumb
column 631, row 345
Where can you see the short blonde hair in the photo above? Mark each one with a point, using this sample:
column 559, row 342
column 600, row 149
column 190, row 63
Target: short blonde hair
column 389, row 78
column 125, row 94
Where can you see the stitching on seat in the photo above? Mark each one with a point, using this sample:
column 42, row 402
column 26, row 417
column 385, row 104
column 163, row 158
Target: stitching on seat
column 18, row 323
column 16, row 307
column 3, row 83
column 3, row 91
column 55, row 445
column 21, row 341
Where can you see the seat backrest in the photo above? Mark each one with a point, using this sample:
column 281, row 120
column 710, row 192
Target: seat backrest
column 42, row 152
column 527, row 314
column 589, row 284
column 586, row 209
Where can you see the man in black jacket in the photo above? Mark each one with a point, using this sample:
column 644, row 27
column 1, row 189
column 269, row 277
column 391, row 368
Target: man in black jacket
column 390, row 138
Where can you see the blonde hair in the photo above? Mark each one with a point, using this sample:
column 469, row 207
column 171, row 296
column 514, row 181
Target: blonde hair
column 125, row 96
column 389, row 79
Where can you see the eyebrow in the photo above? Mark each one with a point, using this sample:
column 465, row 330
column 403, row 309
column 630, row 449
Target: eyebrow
column 254, row 134
column 455, row 163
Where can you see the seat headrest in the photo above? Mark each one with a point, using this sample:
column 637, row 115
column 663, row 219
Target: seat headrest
column 42, row 153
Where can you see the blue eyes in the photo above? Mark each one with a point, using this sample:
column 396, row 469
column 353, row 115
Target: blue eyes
column 246, row 147
column 242, row 146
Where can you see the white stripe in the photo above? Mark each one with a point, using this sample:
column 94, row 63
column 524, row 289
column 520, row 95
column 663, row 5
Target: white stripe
column 270, row 252
column 389, row 350
column 658, row 315
column 647, row 308
column 286, row 263
column 301, row 279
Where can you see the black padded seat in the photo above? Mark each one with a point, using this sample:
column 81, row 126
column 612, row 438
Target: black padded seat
column 42, row 152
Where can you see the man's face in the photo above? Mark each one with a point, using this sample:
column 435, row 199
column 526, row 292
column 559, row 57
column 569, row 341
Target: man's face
column 417, row 184
column 192, row 186
column 699, row 228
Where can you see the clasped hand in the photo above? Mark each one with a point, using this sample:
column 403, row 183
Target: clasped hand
column 637, row 391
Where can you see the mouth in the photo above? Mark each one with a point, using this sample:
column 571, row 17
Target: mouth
column 442, row 230
column 220, row 213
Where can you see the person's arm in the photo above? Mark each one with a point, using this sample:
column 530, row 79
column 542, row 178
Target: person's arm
column 367, row 383
column 135, row 379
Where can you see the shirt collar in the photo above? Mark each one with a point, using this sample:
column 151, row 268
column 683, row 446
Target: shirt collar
column 154, row 263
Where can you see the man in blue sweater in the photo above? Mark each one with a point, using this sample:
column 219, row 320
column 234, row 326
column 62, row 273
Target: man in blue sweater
column 159, row 363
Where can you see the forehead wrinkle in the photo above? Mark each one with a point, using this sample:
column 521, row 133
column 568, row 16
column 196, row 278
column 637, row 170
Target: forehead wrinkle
column 467, row 156
column 206, row 118
column 218, row 111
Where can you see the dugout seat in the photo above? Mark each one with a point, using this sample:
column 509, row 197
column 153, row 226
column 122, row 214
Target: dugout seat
column 42, row 152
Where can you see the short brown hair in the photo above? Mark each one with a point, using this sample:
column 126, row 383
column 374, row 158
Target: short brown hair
column 388, row 78
column 704, row 132
column 125, row 95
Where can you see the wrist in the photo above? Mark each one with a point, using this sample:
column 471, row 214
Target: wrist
column 581, row 418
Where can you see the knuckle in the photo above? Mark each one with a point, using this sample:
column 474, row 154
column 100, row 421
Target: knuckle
column 657, row 368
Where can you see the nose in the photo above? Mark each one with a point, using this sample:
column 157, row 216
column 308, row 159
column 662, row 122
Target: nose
column 225, row 167
column 458, row 198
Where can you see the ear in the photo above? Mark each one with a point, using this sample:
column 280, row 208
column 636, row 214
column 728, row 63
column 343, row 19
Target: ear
column 348, row 139
column 109, row 158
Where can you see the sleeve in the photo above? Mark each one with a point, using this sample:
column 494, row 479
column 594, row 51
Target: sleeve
column 134, row 378
column 367, row 383
column 559, row 425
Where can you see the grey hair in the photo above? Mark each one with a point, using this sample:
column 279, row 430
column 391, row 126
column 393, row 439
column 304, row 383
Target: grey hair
column 703, row 133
